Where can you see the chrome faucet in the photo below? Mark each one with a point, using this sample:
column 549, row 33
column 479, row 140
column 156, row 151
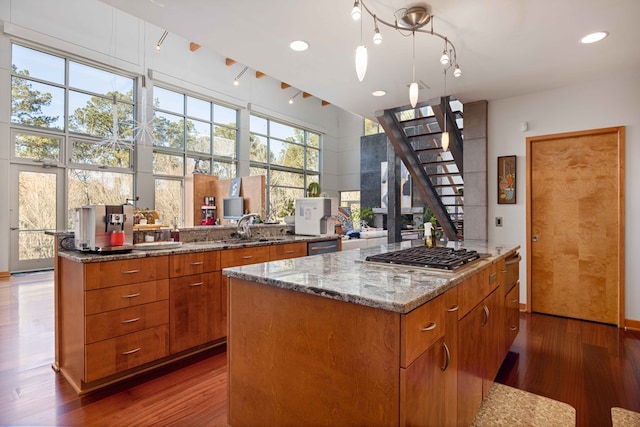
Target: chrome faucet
column 242, row 230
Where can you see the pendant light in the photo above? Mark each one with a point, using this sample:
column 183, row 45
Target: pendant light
column 445, row 134
column 413, row 88
column 361, row 54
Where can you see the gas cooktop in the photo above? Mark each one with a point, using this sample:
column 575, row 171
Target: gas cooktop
column 448, row 259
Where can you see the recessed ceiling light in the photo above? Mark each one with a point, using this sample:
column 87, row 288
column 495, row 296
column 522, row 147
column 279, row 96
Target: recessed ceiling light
column 299, row 45
column 594, row 37
column 379, row 93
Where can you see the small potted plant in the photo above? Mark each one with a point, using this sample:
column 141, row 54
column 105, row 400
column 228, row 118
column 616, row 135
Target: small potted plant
column 365, row 216
column 313, row 189
column 288, row 211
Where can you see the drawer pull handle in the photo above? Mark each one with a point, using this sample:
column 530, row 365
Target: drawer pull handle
column 447, row 357
column 289, row 252
column 453, row 308
column 196, row 284
column 503, row 271
column 513, row 327
column 135, row 350
column 197, row 263
column 430, row 327
column 137, row 294
column 514, row 300
column 135, row 319
column 486, row 315
column 131, row 271
column 493, row 277
column 247, row 257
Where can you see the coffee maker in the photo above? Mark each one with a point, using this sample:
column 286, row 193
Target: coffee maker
column 104, row 228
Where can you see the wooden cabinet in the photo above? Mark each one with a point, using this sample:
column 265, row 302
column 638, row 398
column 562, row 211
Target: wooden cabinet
column 243, row 256
column 511, row 300
column 428, row 384
column 420, row 329
column 195, row 310
column 287, row 250
column 195, row 300
column 114, row 317
column 194, row 263
column 512, row 316
column 480, row 347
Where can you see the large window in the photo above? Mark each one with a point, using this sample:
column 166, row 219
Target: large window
column 65, row 113
column 190, row 135
column 288, row 156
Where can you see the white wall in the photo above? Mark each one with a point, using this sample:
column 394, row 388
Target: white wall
column 598, row 104
column 91, row 30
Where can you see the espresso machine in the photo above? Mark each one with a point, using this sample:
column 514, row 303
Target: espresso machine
column 104, row 228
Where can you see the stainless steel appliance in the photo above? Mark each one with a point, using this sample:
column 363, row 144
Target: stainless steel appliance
column 447, row 259
column 315, row 215
column 104, row 228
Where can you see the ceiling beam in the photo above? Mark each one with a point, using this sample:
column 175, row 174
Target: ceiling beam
column 284, row 85
column 194, row 46
column 229, row 62
column 260, row 74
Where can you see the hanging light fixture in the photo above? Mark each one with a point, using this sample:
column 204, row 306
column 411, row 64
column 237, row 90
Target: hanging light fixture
column 413, row 19
column 356, row 12
column 445, row 134
column 413, row 88
column 444, row 59
column 377, row 37
column 361, row 51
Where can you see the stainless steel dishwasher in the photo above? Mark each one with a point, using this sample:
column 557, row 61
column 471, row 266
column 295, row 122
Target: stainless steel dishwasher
column 324, row 247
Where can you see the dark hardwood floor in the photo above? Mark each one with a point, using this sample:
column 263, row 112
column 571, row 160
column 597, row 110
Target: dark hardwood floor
column 588, row 365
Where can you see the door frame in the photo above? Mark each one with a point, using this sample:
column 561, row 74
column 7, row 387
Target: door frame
column 15, row 265
column 620, row 130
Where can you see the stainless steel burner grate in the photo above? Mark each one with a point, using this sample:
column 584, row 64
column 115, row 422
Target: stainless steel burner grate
column 422, row 256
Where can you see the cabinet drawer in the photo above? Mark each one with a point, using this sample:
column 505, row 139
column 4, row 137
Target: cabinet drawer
column 244, row 256
column 420, row 328
column 114, row 323
column 287, row 250
column 101, row 300
column 114, row 355
column 194, row 263
column 113, row 273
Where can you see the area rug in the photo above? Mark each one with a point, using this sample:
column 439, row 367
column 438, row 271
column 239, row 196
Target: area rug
column 624, row 418
column 508, row 406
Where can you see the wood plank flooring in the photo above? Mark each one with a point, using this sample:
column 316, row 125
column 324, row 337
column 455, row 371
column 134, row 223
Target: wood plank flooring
column 588, row 365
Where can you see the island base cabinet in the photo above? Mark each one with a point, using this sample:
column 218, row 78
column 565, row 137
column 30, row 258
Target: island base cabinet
column 422, row 389
column 299, row 359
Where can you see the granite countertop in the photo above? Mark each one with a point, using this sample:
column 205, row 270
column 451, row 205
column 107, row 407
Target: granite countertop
column 347, row 277
column 185, row 247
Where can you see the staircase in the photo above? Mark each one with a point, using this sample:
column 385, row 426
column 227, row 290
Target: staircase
column 416, row 135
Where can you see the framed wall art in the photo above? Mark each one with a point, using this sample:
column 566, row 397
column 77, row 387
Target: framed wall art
column 507, row 180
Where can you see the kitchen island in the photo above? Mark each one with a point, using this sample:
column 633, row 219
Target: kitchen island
column 335, row 340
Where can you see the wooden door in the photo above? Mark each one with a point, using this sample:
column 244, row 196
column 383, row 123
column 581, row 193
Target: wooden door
column 575, row 192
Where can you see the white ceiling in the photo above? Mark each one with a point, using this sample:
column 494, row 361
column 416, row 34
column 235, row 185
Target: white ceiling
column 505, row 47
